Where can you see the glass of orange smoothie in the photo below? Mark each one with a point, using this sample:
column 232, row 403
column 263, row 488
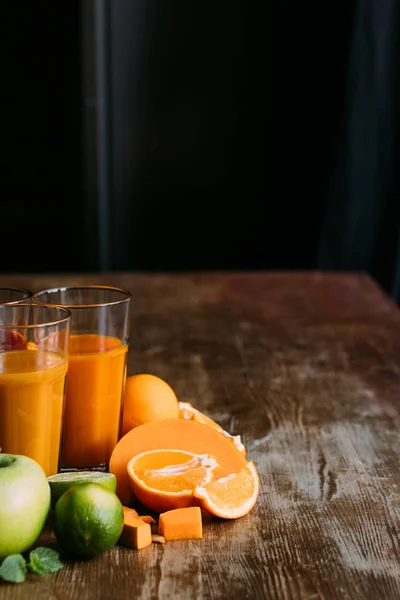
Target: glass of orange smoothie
column 33, row 367
column 98, row 351
column 13, row 295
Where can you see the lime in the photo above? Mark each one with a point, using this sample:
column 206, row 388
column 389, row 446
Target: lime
column 88, row 520
column 61, row 482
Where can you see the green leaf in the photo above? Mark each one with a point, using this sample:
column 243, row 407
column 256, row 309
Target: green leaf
column 43, row 561
column 13, row 568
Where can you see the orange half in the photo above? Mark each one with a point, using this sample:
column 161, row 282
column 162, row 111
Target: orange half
column 232, row 496
column 179, row 434
column 165, row 479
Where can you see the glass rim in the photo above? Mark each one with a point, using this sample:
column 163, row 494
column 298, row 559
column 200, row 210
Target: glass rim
column 64, row 319
column 28, row 294
column 126, row 293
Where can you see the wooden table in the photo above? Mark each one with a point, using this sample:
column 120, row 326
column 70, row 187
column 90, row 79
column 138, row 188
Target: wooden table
column 306, row 367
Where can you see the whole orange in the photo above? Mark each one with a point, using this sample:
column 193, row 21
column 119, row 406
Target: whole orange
column 147, row 398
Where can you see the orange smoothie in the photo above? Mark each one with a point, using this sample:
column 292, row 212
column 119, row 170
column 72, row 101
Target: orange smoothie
column 93, row 408
column 32, row 386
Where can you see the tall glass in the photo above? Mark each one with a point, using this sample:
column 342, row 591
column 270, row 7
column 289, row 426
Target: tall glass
column 11, row 295
column 96, row 373
column 33, row 367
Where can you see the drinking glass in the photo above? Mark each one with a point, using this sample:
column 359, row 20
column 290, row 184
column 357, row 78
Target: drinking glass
column 98, row 352
column 11, row 295
column 33, row 367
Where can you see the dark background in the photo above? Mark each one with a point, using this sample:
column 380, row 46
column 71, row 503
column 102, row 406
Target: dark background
column 165, row 136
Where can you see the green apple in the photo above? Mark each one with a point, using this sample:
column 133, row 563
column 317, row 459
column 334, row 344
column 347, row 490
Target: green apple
column 24, row 503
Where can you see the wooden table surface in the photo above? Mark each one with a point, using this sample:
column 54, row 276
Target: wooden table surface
column 306, row 367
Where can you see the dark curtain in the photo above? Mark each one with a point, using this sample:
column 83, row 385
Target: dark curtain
column 41, row 195
column 189, row 136
column 360, row 230
column 262, row 137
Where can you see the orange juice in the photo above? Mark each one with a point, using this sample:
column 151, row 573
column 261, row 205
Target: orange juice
column 32, row 385
column 93, row 408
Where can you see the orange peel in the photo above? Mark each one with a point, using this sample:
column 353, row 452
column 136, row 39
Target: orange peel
column 187, row 411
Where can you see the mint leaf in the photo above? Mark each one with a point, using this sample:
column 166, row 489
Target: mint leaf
column 43, row 561
column 13, row 568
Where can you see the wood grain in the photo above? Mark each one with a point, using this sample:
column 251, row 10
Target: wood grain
column 306, row 367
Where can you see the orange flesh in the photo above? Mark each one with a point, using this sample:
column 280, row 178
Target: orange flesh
column 165, row 479
column 232, row 496
column 179, row 434
column 32, row 387
column 174, row 472
column 136, row 533
column 181, row 524
column 96, row 378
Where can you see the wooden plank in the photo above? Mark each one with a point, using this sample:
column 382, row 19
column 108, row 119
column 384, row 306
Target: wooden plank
column 306, row 367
